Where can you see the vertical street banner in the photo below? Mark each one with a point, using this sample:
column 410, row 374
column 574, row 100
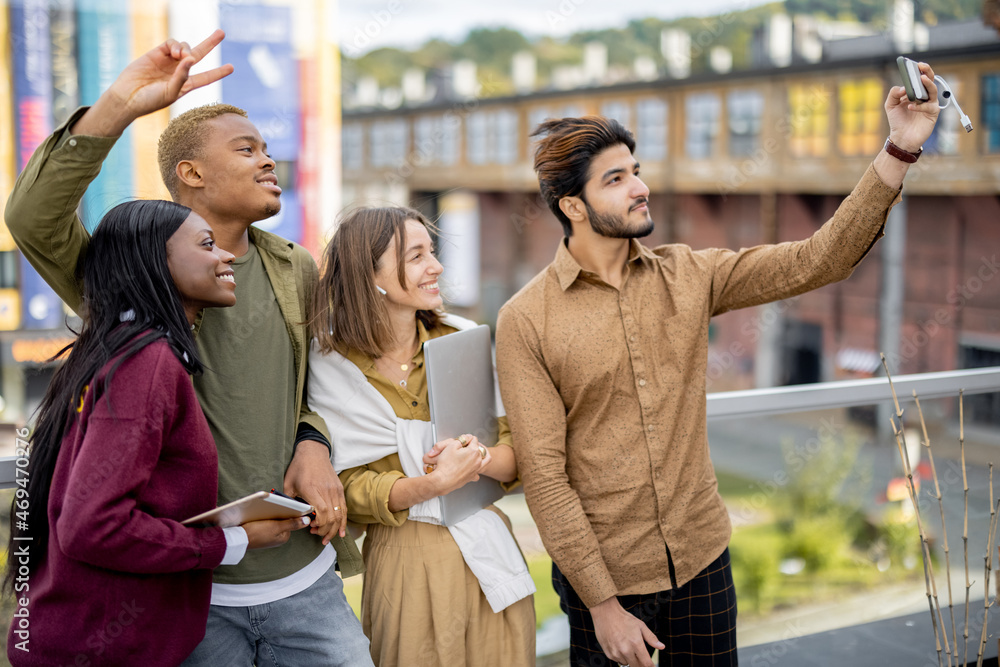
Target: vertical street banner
column 309, row 160
column 32, row 73
column 8, row 163
column 65, row 81
column 105, row 48
column 320, row 153
column 149, row 30
column 10, row 298
column 266, row 84
column 31, row 57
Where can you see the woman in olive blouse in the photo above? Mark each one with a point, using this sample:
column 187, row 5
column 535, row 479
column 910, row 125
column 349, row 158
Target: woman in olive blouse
column 377, row 302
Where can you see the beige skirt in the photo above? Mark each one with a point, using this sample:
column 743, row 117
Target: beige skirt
column 422, row 606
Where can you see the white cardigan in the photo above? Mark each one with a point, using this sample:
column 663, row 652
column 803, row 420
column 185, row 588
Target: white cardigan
column 364, row 429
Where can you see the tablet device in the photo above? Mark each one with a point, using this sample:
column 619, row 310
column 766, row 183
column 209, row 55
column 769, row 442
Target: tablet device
column 462, row 396
column 256, row 506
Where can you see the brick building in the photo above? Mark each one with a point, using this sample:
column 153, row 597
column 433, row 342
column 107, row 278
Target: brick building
column 736, row 159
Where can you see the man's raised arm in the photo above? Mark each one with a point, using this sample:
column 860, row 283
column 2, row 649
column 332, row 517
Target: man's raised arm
column 41, row 210
column 773, row 272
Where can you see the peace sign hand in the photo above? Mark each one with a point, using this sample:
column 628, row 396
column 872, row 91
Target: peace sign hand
column 152, row 82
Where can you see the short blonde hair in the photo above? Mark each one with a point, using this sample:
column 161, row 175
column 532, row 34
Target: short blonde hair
column 184, row 138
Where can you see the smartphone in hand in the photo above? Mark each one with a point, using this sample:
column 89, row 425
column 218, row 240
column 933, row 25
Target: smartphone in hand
column 910, row 74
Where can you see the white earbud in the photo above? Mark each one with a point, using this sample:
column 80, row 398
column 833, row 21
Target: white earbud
column 381, row 290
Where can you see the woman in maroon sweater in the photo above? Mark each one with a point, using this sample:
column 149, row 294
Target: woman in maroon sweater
column 101, row 568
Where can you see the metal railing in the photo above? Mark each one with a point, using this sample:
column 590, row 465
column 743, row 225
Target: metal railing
column 848, row 393
column 780, row 400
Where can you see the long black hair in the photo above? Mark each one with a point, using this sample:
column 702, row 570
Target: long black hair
column 129, row 301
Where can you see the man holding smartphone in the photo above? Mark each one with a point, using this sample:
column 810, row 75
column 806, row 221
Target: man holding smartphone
column 602, row 360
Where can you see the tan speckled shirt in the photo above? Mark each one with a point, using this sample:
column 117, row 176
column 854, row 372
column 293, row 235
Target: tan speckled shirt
column 605, row 394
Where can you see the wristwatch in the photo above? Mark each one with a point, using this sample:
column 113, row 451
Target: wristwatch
column 900, row 154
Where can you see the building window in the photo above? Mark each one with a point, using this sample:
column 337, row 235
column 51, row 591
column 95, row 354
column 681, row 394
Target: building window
column 944, row 138
column 353, row 138
column 981, row 408
column 620, row 111
column 536, row 117
column 425, row 140
column 802, row 353
column 745, row 110
column 477, row 137
column 702, row 110
column 809, row 121
column 507, row 133
column 451, row 124
column 388, row 143
column 651, row 129
column 991, row 112
column 435, row 140
column 861, row 111
column 492, row 137
column 570, row 111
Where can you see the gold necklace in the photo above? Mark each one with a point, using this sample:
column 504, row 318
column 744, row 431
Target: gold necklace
column 389, row 370
column 405, row 368
column 402, row 366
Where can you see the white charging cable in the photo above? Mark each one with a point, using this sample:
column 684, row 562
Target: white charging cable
column 949, row 96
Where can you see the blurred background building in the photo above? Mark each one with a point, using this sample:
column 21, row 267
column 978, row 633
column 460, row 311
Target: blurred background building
column 56, row 55
column 752, row 125
column 735, row 156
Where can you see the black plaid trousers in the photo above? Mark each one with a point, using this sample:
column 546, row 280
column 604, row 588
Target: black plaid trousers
column 696, row 622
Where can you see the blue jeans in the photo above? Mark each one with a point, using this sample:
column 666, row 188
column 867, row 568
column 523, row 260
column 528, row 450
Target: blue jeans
column 314, row 627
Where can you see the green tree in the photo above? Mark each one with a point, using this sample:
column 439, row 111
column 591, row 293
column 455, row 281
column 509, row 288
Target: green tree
column 492, row 47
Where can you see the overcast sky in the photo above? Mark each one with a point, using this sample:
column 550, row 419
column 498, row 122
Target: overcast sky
column 369, row 24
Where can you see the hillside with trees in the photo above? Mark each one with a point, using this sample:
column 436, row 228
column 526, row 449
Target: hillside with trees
column 492, row 49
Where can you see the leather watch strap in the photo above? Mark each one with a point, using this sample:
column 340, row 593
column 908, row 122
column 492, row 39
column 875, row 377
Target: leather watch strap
column 900, row 154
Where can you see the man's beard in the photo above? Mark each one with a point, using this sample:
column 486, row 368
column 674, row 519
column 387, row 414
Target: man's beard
column 271, row 210
column 615, row 226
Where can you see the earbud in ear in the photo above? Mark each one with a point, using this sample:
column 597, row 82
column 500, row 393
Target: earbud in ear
column 381, row 290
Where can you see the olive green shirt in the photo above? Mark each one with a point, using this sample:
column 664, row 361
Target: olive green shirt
column 253, row 341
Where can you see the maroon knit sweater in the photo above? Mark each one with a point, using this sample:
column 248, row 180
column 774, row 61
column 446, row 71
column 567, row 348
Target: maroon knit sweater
column 123, row 583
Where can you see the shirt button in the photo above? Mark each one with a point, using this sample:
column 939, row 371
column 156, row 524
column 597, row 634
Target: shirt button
column 642, row 383
column 649, row 428
column 631, row 339
column 414, row 404
column 72, row 142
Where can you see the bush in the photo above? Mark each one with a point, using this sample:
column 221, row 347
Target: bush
column 755, row 573
column 821, row 541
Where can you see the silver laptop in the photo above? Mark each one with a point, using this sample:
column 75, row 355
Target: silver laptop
column 463, row 399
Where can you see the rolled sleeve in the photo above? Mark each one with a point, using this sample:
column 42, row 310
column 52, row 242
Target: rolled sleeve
column 505, row 439
column 367, row 494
